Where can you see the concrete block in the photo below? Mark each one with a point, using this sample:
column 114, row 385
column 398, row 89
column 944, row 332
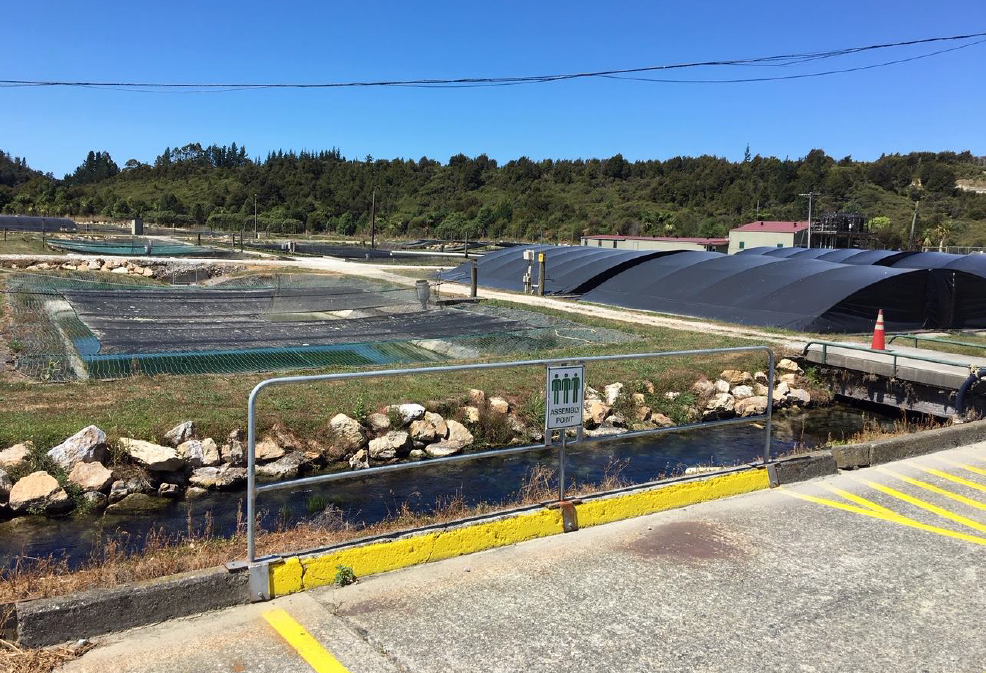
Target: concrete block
column 49, row 621
column 927, row 441
column 804, row 467
column 851, row 456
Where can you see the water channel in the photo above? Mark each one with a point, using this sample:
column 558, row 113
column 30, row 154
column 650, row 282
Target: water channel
column 371, row 499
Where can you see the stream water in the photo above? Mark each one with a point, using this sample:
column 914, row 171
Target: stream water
column 372, row 499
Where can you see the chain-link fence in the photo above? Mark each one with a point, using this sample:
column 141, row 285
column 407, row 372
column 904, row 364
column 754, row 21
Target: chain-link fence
column 133, row 246
column 71, row 327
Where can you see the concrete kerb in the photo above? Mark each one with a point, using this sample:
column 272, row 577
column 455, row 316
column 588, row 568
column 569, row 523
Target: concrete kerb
column 928, row 441
column 49, row 621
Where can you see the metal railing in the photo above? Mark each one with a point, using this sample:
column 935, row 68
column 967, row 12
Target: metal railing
column 253, row 490
column 949, row 342
column 892, row 354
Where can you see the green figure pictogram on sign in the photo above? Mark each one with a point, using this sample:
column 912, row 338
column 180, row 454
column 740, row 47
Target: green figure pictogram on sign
column 564, row 397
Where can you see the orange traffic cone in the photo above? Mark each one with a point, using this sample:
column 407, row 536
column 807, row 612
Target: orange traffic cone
column 878, row 341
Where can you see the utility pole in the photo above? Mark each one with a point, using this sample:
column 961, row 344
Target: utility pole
column 811, row 195
column 373, row 220
column 914, row 221
column 256, row 233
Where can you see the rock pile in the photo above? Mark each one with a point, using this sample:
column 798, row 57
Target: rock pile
column 144, row 474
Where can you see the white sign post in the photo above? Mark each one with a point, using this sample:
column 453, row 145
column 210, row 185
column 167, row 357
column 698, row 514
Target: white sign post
column 564, row 398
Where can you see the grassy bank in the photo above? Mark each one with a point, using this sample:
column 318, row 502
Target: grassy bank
column 146, row 407
column 17, row 243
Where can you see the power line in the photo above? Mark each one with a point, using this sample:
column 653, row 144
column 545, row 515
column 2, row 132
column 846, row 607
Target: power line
column 780, row 60
column 795, row 76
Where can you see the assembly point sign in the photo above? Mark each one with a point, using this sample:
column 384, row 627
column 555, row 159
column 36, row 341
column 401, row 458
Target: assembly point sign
column 564, row 397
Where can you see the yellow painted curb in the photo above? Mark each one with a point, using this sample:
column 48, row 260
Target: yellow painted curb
column 300, row 573
column 672, row 496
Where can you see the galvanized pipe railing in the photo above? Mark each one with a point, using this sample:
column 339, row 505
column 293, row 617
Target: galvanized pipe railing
column 920, row 337
column 253, row 490
column 825, row 345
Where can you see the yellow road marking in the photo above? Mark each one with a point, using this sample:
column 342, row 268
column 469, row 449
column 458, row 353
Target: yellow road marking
column 902, row 520
column 976, row 470
column 868, row 504
column 917, row 502
column 934, row 489
column 952, row 477
column 310, row 649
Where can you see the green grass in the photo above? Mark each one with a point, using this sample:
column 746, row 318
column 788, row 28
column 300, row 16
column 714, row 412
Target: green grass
column 24, row 244
column 146, row 407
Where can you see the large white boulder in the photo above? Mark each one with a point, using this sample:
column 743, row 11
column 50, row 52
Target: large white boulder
column 86, row 446
column 720, row 404
column 394, row 443
column 458, row 434
column 499, row 405
column 751, row 406
column 16, row 456
column 40, row 493
column 267, row 449
column 91, row 476
column 180, row 434
column 199, row 453
column 154, row 457
column 408, row 412
column 286, row 467
column 347, row 433
column 613, row 392
column 788, row 365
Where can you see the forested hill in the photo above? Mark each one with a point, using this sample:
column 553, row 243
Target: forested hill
column 561, row 199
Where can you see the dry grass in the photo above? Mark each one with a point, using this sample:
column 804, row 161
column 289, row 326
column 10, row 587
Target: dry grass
column 873, row 431
column 14, row 659
column 112, row 563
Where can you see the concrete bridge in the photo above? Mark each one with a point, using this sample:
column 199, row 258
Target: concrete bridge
column 918, row 379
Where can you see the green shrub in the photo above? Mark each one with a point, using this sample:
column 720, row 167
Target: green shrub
column 492, row 428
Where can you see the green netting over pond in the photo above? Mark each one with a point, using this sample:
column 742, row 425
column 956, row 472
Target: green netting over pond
column 74, row 327
column 134, row 246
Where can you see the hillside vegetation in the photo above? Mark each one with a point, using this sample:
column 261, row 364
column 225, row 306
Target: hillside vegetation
column 324, row 192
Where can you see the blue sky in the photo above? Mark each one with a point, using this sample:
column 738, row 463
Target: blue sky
column 934, row 104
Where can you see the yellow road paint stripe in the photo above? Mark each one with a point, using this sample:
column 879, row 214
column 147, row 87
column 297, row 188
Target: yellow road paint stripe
column 952, row 477
column 902, row 520
column 917, row 502
column 297, row 637
column 868, row 504
column 935, row 489
column 976, row 470
column 973, row 469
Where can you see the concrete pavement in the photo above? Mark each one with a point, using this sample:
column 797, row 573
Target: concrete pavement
column 879, row 569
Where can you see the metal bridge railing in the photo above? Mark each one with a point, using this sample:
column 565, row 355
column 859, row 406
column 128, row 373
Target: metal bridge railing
column 935, row 340
column 825, row 345
column 253, row 490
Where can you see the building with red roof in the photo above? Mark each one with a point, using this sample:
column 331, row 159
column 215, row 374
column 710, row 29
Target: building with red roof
column 770, row 233
column 655, row 242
